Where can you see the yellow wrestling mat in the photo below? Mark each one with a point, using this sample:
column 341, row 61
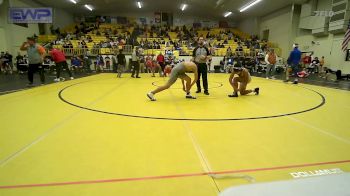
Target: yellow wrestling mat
column 101, row 135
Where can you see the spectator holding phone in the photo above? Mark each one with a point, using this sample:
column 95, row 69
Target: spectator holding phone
column 36, row 54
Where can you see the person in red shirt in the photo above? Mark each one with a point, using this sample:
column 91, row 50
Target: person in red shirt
column 306, row 61
column 161, row 62
column 156, row 66
column 60, row 60
column 167, row 70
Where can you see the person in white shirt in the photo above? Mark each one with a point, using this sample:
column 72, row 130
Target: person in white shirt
column 135, row 64
column 271, row 60
column 315, row 63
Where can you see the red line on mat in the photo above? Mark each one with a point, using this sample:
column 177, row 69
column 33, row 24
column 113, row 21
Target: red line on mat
column 169, row 176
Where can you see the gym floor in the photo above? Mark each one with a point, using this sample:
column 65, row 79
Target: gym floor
column 100, row 135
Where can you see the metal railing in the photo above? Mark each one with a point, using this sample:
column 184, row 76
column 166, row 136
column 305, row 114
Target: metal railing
column 127, row 49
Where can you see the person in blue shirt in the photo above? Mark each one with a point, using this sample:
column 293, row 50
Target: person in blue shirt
column 294, row 61
column 75, row 63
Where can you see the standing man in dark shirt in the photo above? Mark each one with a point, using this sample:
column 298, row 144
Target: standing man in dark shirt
column 201, row 55
column 121, row 63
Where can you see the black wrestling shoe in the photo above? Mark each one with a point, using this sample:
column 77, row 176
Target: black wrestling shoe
column 295, row 82
column 233, row 95
column 29, row 85
column 198, row 91
column 189, row 96
column 206, row 92
column 256, row 91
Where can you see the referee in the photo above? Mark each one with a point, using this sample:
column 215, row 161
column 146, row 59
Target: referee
column 201, row 55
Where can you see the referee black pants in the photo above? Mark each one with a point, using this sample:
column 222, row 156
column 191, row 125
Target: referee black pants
column 202, row 71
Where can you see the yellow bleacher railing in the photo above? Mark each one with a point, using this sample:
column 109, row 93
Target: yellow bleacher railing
column 127, row 49
column 46, row 38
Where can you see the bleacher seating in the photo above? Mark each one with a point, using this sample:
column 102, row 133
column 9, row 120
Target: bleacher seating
column 119, row 30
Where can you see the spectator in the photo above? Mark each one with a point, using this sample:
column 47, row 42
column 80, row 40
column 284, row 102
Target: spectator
column 36, row 54
column 229, row 51
column 20, row 63
column 135, row 64
column 239, row 50
column 209, row 64
column 59, row 58
column 149, row 65
column 321, row 67
column 250, row 64
column 307, row 60
column 121, row 63
column 9, row 58
column 108, row 62
column 76, row 63
column 315, row 63
column 87, row 64
column 293, row 61
column 161, row 61
column 2, row 61
column 100, row 63
column 142, row 63
column 271, row 60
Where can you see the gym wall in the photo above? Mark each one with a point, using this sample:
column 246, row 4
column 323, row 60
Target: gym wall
column 280, row 24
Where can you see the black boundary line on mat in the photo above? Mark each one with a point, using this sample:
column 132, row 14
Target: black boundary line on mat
column 323, row 102
column 220, row 85
column 12, row 91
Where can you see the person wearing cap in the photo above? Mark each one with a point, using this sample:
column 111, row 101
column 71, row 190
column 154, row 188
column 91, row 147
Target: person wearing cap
column 239, row 79
column 60, row 60
column 36, row 54
column 293, row 61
